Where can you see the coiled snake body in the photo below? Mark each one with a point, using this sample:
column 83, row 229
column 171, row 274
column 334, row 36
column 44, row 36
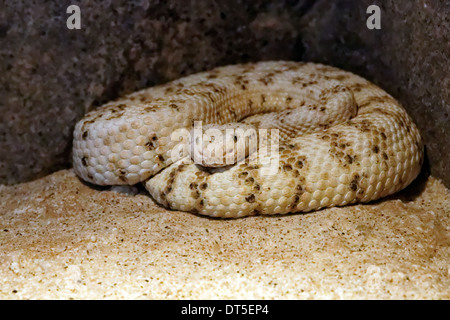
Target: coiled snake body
column 342, row 140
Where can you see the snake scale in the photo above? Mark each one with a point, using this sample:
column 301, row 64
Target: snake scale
column 343, row 140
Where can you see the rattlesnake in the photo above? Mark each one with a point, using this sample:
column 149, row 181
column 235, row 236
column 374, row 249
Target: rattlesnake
column 343, row 140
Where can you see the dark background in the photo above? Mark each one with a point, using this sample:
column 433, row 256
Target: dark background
column 50, row 75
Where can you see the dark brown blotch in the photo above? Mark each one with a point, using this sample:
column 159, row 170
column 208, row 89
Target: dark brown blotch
column 169, row 90
column 171, row 179
column 193, row 185
column 251, row 198
column 339, row 77
column 296, row 197
column 357, row 87
column 150, row 146
column 250, row 180
column 149, row 109
column 295, row 201
column 174, row 106
column 349, row 159
column 144, row 98
column 354, row 183
column 266, row 80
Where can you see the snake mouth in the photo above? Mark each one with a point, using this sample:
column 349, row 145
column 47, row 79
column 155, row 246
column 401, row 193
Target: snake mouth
column 213, row 170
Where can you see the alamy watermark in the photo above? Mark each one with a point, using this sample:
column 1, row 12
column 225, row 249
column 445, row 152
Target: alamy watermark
column 213, row 147
column 372, row 22
column 74, row 20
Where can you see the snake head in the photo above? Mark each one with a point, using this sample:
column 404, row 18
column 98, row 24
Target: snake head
column 223, row 145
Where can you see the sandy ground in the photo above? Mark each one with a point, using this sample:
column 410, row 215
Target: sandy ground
column 60, row 238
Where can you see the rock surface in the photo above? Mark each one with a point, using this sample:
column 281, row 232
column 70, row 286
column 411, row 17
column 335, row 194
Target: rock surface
column 61, row 239
column 50, row 75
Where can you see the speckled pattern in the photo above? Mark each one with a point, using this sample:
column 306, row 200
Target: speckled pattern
column 50, row 72
column 408, row 57
column 373, row 153
column 60, row 239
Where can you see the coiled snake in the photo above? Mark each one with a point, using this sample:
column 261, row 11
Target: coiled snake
column 342, row 140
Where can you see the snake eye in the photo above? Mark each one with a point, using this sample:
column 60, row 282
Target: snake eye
column 235, row 138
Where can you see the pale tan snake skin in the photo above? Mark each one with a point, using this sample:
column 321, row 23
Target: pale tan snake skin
column 344, row 140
